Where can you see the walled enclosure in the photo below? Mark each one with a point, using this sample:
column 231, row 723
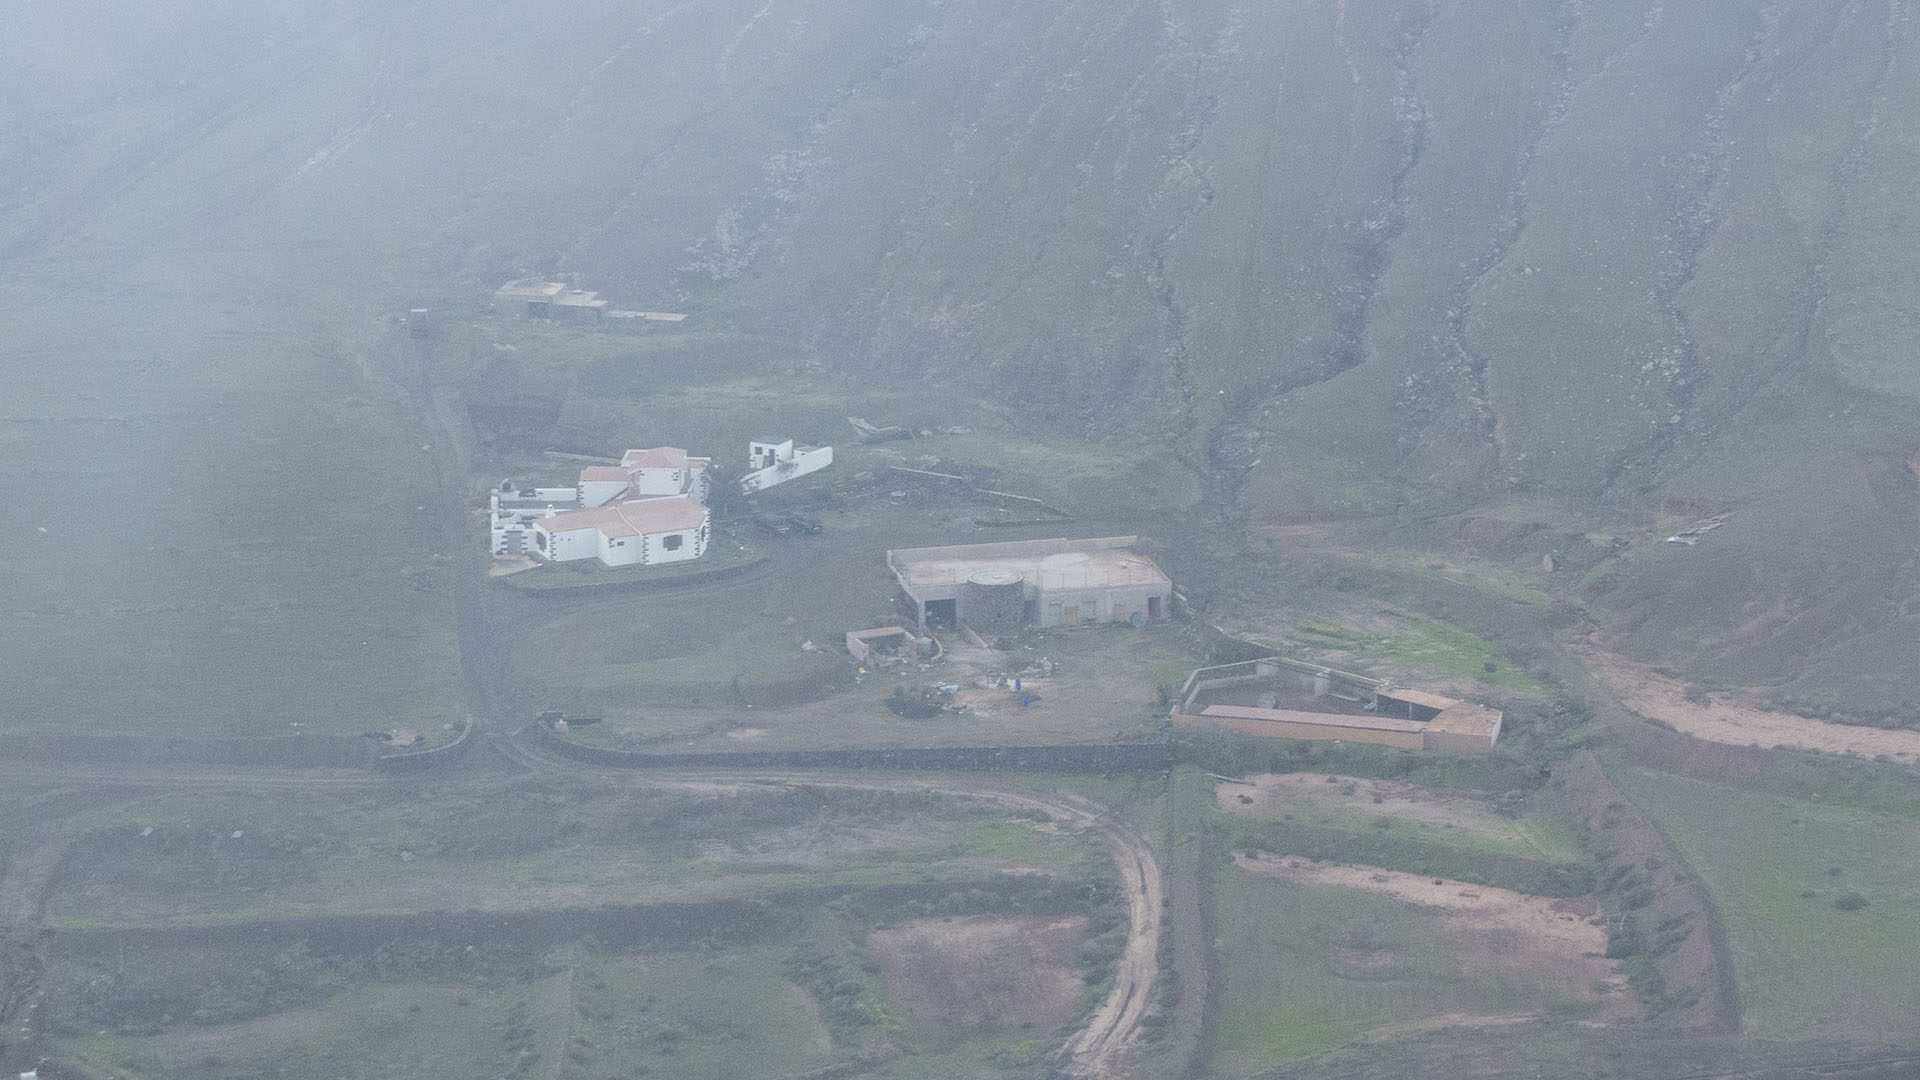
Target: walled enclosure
column 1276, row 697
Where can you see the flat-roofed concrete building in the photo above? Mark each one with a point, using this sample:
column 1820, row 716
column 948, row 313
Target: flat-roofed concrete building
column 1034, row 582
column 531, row 297
column 1277, row 697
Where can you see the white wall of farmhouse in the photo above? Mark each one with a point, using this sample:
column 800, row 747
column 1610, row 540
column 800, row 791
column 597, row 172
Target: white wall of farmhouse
column 567, row 545
column 600, row 492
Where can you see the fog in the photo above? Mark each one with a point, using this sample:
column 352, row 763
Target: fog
column 950, row 537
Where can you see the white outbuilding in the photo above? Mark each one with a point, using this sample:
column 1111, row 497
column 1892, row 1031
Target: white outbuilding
column 775, row 461
column 646, row 474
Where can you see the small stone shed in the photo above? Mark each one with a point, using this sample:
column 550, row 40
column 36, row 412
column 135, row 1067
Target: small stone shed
column 1282, row 698
column 994, row 587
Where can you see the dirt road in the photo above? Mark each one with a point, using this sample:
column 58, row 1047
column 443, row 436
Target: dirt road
column 1728, row 720
column 1097, row 1050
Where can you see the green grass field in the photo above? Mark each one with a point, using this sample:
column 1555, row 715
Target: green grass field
column 1421, row 642
column 395, row 1029
column 1307, row 968
column 730, row 1001
column 530, row 847
column 1808, row 963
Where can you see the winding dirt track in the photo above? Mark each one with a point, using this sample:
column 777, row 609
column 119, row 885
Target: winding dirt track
column 1097, row 1050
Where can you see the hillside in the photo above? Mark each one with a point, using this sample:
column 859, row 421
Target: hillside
column 1345, row 260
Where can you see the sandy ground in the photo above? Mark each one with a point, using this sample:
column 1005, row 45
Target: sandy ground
column 982, row 976
column 1658, row 697
column 1564, row 940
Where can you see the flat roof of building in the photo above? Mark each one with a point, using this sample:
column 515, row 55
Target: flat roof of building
column 1418, row 697
column 531, row 289
column 650, row 316
column 1466, row 719
column 1049, row 564
column 658, row 457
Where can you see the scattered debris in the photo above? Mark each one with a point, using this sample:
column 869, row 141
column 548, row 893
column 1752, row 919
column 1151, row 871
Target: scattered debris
column 871, row 433
column 1691, row 535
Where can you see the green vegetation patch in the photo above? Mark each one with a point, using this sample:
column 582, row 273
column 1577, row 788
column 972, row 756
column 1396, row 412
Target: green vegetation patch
column 1235, row 754
column 1344, row 803
column 1440, row 647
column 1821, row 903
column 401, row 1029
column 177, row 860
column 1394, row 844
column 1306, row 968
column 277, row 570
column 703, row 1015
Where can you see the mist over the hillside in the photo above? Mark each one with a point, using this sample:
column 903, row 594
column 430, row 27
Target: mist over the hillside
column 1345, row 260
column 1552, row 360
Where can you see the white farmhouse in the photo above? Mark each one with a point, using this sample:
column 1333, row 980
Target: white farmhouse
column 646, row 474
column 558, row 524
column 637, row 532
column 776, row 461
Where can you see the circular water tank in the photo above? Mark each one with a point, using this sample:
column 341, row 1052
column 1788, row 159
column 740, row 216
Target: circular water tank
column 993, row 599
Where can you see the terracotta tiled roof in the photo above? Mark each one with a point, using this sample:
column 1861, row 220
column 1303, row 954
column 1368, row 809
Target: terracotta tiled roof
column 674, row 513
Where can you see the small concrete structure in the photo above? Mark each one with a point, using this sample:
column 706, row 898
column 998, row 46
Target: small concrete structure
column 885, row 645
column 776, row 461
column 634, row 322
column 1281, row 698
column 1060, row 583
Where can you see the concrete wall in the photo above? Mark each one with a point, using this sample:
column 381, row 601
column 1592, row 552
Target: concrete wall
column 653, row 481
column 1280, row 729
column 1019, row 547
column 800, row 464
column 600, row 492
column 570, row 545
column 1458, row 743
column 620, row 550
column 1106, row 603
column 653, row 546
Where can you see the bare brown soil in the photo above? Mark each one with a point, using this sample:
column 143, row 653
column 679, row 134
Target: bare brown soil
column 1270, row 793
column 1729, row 720
column 981, row 976
column 1500, row 933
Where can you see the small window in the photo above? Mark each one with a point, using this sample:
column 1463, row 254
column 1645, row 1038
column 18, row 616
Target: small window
column 671, row 543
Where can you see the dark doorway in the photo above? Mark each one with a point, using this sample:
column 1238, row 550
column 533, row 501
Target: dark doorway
column 1153, row 607
column 942, row 614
